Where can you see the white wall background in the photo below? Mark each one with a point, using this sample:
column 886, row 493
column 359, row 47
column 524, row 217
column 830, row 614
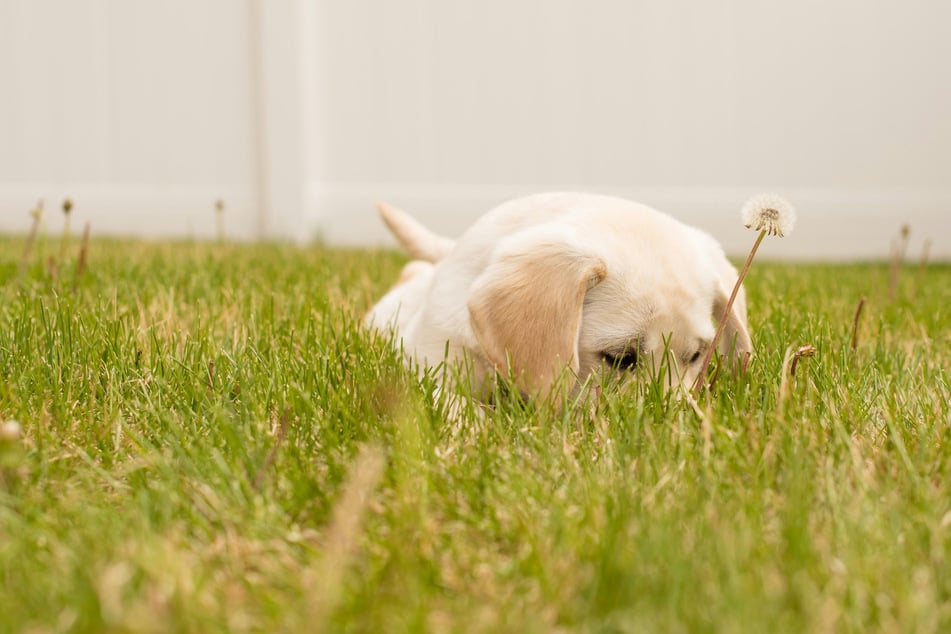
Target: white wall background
column 301, row 113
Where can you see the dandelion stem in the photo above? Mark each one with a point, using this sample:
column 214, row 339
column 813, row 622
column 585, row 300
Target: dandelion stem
column 64, row 244
column 784, row 375
column 899, row 248
column 83, row 257
column 922, row 265
column 220, row 219
column 701, row 377
column 37, row 214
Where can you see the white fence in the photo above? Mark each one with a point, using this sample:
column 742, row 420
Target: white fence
column 300, row 113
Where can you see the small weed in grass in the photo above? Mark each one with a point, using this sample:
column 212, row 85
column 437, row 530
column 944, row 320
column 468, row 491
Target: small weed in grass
column 206, row 440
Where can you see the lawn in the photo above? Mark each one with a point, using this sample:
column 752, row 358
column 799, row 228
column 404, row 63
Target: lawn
column 208, row 442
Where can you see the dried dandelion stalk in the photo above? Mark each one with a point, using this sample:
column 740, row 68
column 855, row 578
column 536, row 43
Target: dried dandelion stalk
column 342, row 536
column 790, row 363
column 855, row 323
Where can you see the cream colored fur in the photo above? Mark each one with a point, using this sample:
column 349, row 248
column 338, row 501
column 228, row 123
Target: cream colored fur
column 561, row 281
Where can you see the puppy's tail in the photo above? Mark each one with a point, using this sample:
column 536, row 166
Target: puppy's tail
column 419, row 242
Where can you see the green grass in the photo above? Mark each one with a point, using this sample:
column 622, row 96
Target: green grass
column 211, row 443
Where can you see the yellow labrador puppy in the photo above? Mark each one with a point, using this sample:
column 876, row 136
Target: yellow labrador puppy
column 560, row 280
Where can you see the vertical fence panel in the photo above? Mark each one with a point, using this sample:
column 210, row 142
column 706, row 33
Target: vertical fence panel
column 299, row 114
column 138, row 110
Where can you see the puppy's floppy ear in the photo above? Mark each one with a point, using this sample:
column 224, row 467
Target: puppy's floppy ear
column 525, row 308
column 735, row 341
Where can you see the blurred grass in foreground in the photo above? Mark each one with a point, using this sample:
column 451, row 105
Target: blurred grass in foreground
column 209, row 442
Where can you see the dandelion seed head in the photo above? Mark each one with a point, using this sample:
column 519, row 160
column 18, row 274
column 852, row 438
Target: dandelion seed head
column 37, row 212
column 770, row 213
column 10, row 430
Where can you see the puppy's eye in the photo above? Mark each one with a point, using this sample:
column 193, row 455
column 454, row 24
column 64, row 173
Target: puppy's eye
column 695, row 357
column 626, row 360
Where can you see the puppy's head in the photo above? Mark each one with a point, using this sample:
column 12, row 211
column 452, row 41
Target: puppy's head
column 547, row 301
column 526, row 307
